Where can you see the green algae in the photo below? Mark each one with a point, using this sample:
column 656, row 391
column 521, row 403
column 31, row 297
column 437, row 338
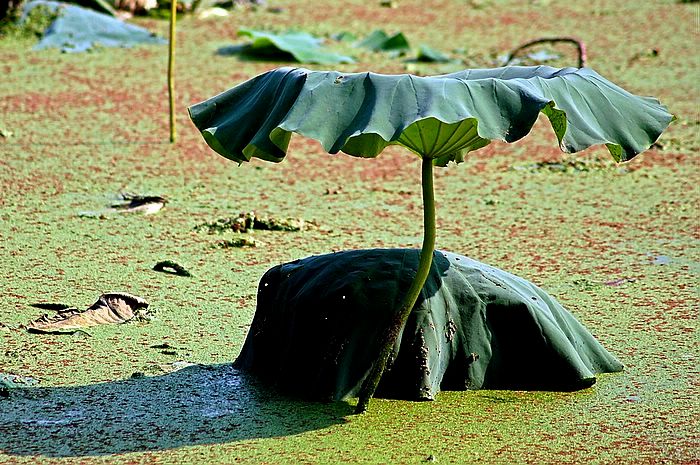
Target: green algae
column 32, row 26
column 566, row 231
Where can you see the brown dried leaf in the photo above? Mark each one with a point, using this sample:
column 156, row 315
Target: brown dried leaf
column 110, row 308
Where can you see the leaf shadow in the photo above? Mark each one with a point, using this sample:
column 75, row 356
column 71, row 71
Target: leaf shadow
column 199, row 404
column 246, row 53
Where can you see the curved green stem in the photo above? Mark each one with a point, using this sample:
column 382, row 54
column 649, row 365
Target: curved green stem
column 391, row 334
column 171, row 66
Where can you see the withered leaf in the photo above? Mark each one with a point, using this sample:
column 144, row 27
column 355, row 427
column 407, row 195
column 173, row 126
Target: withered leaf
column 110, row 308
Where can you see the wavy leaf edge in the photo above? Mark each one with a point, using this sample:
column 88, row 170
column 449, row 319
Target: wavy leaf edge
column 280, row 132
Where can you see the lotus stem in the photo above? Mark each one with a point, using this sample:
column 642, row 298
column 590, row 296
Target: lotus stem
column 391, row 334
column 580, row 48
column 171, row 66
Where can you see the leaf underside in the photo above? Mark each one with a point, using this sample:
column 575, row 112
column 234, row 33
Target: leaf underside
column 441, row 117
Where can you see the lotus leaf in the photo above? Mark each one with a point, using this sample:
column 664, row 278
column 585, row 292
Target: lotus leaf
column 301, row 46
column 427, row 54
column 380, row 41
column 318, row 321
column 78, row 29
column 440, row 117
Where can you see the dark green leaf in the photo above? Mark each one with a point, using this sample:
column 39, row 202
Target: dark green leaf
column 380, row 41
column 473, row 327
column 430, row 55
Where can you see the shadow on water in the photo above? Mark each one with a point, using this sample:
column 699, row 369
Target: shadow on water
column 195, row 405
column 245, row 52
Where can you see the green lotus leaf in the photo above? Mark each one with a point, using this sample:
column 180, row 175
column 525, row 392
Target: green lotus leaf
column 427, row 54
column 473, row 327
column 441, row 117
column 380, row 41
column 303, row 47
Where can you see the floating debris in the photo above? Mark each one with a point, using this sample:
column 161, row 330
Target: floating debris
column 214, row 12
column 5, row 133
column 246, row 222
column 660, row 260
column 9, row 381
column 620, row 281
column 134, row 203
column 574, row 165
column 110, row 308
column 237, row 243
column 165, row 348
column 129, row 203
column 170, row 267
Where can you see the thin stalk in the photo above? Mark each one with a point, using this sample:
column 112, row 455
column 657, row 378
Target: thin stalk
column 391, row 334
column 171, row 66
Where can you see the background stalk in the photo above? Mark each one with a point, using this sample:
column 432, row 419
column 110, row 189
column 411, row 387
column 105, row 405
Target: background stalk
column 391, row 334
column 171, row 66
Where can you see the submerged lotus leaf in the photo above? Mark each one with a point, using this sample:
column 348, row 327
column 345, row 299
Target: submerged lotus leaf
column 78, row 29
column 302, row 47
column 318, row 320
column 380, row 41
column 439, row 117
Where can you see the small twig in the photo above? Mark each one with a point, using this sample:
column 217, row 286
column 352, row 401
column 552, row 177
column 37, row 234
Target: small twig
column 581, row 47
column 167, row 265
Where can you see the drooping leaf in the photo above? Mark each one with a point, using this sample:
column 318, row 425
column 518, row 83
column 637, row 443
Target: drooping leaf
column 441, row 117
column 473, row 327
column 380, row 41
column 300, row 46
column 78, row 29
column 110, row 308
